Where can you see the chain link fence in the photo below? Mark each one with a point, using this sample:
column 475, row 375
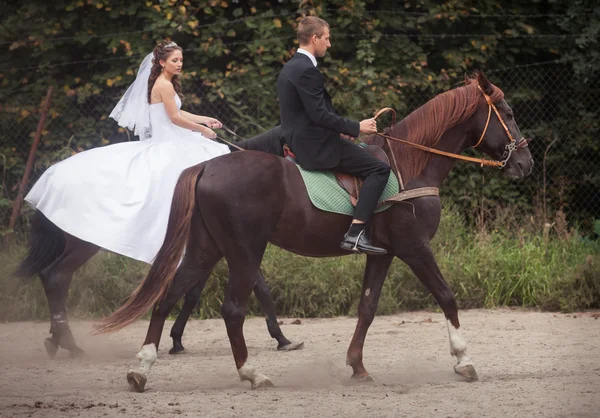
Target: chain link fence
column 558, row 110
column 550, row 105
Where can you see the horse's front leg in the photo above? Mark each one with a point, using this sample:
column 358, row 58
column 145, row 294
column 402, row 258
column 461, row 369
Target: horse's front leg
column 375, row 273
column 423, row 264
column 189, row 303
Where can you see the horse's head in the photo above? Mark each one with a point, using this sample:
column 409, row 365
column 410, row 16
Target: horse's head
column 496, row 131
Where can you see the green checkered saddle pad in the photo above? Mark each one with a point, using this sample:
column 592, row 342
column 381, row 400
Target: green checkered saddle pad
column 326, row 194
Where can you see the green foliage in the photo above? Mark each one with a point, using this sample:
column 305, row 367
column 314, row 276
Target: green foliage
column 385, row 53
column 580, row 290
column 501, row 268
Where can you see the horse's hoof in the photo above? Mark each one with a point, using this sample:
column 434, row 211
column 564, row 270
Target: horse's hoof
column 262, row 382
column 177, row 350
column 76, row 352
column 51, row 347
column 291, row 347
column 362, row 378
column 467, row 371
column 137, row 381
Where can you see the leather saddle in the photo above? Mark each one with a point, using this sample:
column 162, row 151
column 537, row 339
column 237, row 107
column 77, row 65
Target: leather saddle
column 348, row 182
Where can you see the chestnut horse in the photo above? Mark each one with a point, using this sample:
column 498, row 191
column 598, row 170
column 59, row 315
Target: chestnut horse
column 233, row 205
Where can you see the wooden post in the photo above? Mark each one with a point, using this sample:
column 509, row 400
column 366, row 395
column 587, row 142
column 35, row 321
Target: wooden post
column 25, row 179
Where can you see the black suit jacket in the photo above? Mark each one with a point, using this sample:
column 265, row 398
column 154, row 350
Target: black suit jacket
column 309, row 124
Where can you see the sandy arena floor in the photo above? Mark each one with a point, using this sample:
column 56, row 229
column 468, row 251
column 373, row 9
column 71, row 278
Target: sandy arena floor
column 530, row 364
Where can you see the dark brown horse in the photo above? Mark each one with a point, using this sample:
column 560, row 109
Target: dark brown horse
column 232, row 206
column 55, row 255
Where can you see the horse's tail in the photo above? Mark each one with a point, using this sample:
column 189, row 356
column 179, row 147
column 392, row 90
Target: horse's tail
column 46, row 243
column 156, row 284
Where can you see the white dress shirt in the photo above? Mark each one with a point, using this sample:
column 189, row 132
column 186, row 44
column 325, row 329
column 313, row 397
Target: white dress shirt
column 309, row 55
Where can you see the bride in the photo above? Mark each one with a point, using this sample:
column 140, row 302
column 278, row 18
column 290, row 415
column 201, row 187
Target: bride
column 118, row 197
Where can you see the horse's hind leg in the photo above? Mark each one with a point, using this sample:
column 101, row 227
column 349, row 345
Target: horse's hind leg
column 200, row 258
column 425, row 267
column 56, row 280
column 242, row 278
column 187, row 274
column 185, row 277
column 263, row 294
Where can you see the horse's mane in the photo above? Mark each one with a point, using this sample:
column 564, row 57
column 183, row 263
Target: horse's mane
column 428, row 123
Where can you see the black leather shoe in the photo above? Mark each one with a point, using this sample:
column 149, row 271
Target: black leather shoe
column 360, row 243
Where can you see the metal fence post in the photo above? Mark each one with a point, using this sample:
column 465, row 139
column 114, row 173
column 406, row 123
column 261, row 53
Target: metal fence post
column 24, row 181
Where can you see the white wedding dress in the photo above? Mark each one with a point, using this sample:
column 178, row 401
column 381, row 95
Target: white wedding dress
column 119, row 196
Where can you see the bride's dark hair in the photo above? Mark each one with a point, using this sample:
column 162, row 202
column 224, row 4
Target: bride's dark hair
column 162, row 52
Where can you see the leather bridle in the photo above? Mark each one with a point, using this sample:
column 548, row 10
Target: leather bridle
column 508, row 150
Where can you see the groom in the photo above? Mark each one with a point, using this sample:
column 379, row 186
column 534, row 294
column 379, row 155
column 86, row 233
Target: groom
column 310, row 127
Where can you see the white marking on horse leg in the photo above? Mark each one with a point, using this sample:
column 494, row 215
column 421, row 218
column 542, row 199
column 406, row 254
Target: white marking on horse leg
column 458, row 348
column 147, row 357
column 458, row 345
column 247, row 372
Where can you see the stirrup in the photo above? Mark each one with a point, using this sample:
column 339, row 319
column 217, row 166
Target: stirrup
column 355, row 248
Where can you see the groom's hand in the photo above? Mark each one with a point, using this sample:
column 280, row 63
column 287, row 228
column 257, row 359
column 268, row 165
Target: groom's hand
column 368, row 126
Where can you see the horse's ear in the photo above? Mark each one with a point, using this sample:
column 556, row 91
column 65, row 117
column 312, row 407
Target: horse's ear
column 484, row 83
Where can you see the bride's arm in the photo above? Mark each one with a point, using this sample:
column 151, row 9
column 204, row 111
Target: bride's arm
column 167, row 94
column 210, row 122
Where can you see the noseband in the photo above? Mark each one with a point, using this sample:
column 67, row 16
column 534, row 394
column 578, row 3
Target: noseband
column 512, row 145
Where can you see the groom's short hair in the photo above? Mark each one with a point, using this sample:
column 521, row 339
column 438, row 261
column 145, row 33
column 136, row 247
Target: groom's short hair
column 309, row 26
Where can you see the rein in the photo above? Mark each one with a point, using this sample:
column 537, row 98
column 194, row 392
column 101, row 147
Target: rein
column 509, row 149
column 231, row 144
column 404, row 194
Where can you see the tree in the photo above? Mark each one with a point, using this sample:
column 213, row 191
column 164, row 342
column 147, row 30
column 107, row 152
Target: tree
column 385, row 53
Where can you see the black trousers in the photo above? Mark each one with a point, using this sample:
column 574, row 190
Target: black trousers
column 266, row 142
column 359, row 162
column 353, row 160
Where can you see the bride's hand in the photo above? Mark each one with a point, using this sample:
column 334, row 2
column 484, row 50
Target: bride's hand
column 212, row 123
column 207, row 132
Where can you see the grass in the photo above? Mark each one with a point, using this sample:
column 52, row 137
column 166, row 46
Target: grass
column 491, row 267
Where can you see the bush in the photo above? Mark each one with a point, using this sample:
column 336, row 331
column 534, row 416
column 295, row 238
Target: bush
column 485, row 268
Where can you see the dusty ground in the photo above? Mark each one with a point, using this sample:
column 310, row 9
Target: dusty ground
column 529, row 364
